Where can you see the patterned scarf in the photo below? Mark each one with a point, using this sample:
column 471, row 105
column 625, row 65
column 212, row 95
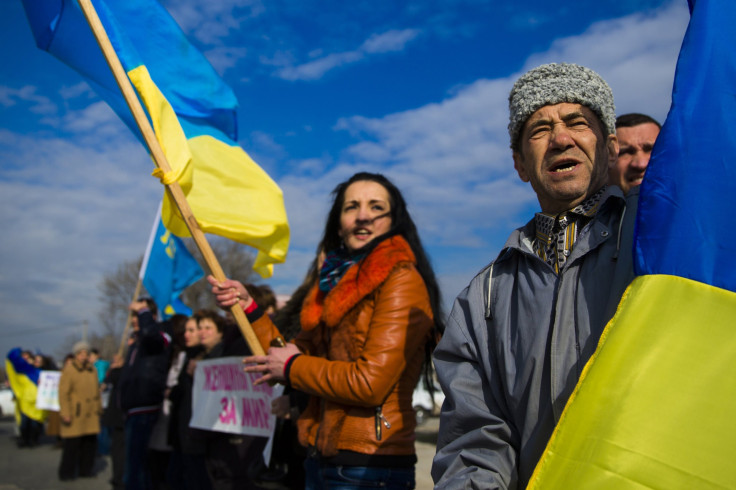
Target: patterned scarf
column 556, row 234
column 335, row 265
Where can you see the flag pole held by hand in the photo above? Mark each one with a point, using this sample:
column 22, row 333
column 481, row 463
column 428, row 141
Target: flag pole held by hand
column 157, row 153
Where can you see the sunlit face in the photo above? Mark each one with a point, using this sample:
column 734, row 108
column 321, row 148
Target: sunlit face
column 191, row 333
column 564, row 155
column 635, row 147
column 365, row 214
column 208, row 334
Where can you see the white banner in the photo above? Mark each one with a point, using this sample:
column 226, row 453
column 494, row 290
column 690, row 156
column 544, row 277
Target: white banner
column 47, row 397
column 225, row 400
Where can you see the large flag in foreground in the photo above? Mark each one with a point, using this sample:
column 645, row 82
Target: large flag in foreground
column 192, row 110
column 168, row 269
column 656, row 405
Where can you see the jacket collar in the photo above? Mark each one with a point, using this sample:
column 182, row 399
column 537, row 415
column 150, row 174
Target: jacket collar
column 522, row 239
column 359, row 281
column 87, row 366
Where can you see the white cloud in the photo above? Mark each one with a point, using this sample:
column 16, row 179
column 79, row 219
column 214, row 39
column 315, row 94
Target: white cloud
column 222, row 58
column 97, row 117
column 70, row 213
column 394, row 40
column 77, row 90
column 209, row 24
column 390, row 41
column 37, row 104
column 313, row 70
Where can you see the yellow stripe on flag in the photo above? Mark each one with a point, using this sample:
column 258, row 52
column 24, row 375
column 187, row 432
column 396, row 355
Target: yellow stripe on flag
column 25, row 392
column 655, row 406
column 229, row 194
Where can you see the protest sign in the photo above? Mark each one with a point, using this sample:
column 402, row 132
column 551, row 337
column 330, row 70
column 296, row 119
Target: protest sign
column 224, row 399
column 47, row 397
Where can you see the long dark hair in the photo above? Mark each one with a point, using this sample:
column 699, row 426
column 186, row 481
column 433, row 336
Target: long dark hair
column 401, row 224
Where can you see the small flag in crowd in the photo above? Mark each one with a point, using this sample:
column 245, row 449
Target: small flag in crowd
column 168, row 269
column 23, row 380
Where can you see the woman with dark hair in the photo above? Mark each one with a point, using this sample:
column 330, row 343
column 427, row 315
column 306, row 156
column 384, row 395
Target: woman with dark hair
column 187, row 468
column 232, row 461
column 368, row 324
column 159, row 449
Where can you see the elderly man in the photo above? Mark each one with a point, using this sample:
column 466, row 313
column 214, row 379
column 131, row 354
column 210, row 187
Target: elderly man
column 636, row 135
column 519, row 335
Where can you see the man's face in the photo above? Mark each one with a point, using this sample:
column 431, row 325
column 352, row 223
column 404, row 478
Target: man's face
column 635, row 148
column 82, row 356
column 564, row 155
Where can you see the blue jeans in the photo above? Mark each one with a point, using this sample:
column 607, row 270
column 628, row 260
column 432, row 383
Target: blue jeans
column 138, row 429
column 326, row 476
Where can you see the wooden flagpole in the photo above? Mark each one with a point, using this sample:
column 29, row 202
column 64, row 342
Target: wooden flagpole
column 174, row 189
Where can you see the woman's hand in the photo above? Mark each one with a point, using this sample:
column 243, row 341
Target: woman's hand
column 271, row 365
column 229, row 292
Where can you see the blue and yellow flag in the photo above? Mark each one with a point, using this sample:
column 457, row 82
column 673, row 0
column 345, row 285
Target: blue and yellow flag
column 168, row 269
column 655, row 405
column 23, row 379
column 192, row 110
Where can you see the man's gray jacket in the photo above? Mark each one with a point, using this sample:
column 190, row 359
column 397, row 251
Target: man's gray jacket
column 515, row 344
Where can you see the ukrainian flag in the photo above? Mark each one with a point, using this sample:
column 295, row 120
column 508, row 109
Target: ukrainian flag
column 23, row 379
column 192, row 110
column 167, row 270
column 656, row 405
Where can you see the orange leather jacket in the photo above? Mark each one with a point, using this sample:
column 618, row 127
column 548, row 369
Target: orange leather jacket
column 363, row 346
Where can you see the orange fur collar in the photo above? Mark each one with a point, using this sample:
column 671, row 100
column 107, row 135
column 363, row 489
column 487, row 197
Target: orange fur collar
column 359, row 280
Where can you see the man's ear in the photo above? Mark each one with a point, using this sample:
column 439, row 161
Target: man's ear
column 612, row 148
column 519, row 166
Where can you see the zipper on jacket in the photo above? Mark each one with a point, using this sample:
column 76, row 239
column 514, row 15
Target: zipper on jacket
column 381, row 419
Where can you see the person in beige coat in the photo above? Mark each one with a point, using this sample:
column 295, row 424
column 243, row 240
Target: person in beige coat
column 80, row 410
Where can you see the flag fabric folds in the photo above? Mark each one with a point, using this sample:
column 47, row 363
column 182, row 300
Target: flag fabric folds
column 168, row 269
column 654, row 407
column 23, row 379
column 192, row 110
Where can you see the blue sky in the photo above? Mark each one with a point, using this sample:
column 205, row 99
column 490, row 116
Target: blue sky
column 415, row 90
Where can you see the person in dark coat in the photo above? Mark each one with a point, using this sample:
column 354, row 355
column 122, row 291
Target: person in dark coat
column 233, row 461
column 187, row 468
column 142, row 385
column 114, row 419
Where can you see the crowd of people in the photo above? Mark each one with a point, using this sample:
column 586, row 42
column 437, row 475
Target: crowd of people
column 353, row 341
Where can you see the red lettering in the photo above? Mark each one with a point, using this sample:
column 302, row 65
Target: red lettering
column 228, row 415
column 208, row 379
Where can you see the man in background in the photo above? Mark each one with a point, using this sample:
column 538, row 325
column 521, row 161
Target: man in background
column 636, row 136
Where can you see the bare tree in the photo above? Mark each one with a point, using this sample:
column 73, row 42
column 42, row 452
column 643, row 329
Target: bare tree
column 116, row 293
column 118, row 286
column 106, row 344
column 236, row 261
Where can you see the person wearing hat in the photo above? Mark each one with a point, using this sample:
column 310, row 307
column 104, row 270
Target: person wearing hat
column 520, row 334
column 80, row 408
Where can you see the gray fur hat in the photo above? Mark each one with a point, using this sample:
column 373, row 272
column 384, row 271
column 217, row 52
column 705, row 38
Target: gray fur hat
column 80, row 346
column 555, row 83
